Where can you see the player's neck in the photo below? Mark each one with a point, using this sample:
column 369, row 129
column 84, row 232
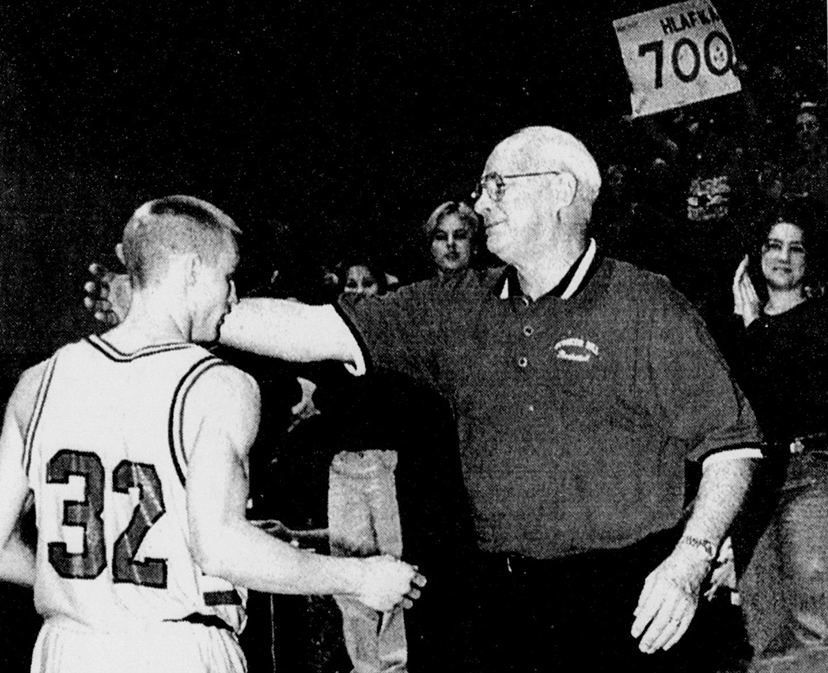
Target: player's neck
column 150, row 321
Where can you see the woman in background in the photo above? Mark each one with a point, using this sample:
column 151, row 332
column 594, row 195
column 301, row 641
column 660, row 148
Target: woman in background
column 362, row 279
column 452, row 232
column 782, row 364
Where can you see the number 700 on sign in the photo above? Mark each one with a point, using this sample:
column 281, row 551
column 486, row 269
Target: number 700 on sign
column 676, row 55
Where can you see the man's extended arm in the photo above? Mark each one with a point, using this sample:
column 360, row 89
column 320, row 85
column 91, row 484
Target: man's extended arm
column 671, row 592
column 278, row 328
column 17, row 561
column 289, row 330
column 221, row 420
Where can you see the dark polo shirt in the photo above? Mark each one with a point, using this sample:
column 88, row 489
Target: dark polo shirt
column 575, row 416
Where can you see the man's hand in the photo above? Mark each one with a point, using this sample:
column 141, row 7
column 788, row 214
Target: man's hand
column 669, row 599
column 745, row 299
column 387, row 582
column 108, row 295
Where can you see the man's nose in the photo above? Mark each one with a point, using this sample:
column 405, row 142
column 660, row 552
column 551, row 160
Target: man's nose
column 483, row 203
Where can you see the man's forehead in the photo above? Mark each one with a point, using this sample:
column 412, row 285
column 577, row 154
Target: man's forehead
column 519, row 154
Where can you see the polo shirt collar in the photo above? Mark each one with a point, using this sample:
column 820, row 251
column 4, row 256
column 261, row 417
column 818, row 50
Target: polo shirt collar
column 574, row 279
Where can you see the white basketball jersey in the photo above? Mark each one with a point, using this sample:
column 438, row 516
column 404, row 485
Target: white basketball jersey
column 107, row 466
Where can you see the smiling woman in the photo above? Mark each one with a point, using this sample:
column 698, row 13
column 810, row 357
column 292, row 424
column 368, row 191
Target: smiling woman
column 787, row 262
column 783, row 266
column 783, row 367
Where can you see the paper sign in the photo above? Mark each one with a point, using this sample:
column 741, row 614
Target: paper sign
column 676, row 55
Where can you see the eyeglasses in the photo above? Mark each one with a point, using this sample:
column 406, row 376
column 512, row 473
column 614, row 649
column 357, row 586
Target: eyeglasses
column 493, row 185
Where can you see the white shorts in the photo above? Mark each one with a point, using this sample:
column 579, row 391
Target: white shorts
column 166, row 647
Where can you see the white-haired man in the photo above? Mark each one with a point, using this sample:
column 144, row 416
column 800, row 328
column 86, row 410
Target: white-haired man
column 134, row 446
column 581, row 386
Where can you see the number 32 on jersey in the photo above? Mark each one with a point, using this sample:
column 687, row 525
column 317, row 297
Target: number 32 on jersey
column 88, row 514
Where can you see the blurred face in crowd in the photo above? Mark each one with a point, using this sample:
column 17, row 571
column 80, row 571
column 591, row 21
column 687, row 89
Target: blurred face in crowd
column 783, row 257
column 360, row 281
column 807, row 130
column 451, row 244
column 617, row 180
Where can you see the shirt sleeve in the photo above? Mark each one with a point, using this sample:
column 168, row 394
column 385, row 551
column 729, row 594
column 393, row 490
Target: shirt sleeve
column 397, row 331
column 703, row 406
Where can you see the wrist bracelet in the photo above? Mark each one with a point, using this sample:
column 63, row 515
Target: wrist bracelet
column 700, row 543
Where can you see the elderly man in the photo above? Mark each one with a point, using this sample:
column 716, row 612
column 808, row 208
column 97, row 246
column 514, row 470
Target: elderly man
column 581, row 386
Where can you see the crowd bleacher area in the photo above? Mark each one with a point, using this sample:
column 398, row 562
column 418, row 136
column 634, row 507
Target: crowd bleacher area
column 684, row 189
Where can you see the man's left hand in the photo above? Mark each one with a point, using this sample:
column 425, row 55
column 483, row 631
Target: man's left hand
column 669, row 600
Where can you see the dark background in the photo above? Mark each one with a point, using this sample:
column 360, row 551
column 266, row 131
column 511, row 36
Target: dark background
column 321, row 127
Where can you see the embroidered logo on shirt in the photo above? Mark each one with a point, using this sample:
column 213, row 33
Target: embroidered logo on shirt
column 575, row 349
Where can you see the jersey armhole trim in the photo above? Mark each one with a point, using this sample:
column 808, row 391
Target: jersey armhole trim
column 37, row 413
column 176, row 419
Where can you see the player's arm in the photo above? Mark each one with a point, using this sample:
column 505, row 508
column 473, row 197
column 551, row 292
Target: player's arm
column 17, row 561
column 221, row 419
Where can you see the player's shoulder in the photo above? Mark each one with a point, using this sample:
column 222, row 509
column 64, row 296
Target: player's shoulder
column 227, row 400
column 24, row 396
column 32, row 376
column 225, row 381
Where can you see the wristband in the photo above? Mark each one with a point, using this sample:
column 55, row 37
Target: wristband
column 700, row 543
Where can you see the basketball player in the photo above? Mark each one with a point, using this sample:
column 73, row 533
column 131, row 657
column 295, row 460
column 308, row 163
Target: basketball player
column 133, row 448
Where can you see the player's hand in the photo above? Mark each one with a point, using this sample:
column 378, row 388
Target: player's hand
column 387, row 582
column 305, row 408
column 669, row 599
column 724, row 574
column 745, row 299
column 107, row 295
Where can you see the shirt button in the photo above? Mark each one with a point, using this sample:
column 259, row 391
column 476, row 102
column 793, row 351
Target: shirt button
column 531, row 407
column 522, row 362
column 528, row 330
column 525, row 301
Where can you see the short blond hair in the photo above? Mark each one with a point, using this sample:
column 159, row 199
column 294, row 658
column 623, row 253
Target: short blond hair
column 169, row 226
column 462, row 210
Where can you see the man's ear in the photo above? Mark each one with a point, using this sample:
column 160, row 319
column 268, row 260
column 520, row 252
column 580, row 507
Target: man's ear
column 192, row 268
column 565, row 189
column 119, row 250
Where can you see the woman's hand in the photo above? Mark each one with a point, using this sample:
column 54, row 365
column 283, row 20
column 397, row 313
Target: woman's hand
column 745, row 300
